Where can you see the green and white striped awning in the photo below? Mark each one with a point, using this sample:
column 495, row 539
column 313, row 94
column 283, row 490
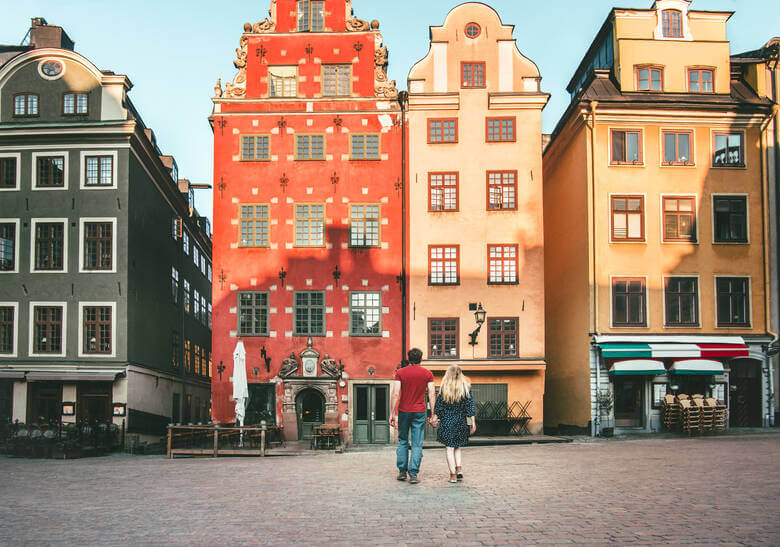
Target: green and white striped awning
column 703, row 367
column 637, row 367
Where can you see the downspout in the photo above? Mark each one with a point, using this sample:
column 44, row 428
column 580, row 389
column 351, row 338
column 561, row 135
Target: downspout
column 403, row 99
column 773, row 66
column 594, row 286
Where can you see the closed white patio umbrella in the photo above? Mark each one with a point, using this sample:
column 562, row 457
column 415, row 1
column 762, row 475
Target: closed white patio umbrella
column 240, row 389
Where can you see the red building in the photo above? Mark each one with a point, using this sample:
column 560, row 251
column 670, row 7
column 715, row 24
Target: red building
column 307, row 223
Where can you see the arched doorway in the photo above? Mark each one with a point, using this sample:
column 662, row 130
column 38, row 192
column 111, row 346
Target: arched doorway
column 310, row 408
column 746, row 400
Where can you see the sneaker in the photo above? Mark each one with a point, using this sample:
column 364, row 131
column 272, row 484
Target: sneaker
column 401, row 476
column 413, row 479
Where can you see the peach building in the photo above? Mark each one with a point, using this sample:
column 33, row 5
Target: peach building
column 476, row 255
column 655, row 204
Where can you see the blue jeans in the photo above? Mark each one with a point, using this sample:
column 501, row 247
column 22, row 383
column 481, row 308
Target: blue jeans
column 414, row 421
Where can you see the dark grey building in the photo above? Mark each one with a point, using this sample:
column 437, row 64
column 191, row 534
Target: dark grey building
column 105, row 266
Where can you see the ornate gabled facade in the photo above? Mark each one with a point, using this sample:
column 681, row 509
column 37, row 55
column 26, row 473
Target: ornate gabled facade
column 308, row 226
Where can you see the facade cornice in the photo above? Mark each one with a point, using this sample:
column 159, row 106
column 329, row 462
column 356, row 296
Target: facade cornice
column 517, row 101
column 434, row 101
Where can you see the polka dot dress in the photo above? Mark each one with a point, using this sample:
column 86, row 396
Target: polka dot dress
column 453, row 429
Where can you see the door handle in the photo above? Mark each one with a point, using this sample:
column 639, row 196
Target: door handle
column 373, row 416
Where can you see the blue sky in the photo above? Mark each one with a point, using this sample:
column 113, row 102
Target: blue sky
column 174, row 50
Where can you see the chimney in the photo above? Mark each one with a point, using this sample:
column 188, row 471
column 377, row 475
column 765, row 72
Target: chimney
column 44, row 35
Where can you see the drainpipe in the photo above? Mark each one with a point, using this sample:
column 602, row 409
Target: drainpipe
column 773, row 66
column 403, row 99
column 594, row 287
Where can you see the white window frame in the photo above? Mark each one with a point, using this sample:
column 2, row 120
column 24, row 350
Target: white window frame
column 81, row 353
column 65, row 169
column 17, row 240
column 185, row 241
column 18, row 157
column 196, row 256
column 82, row 222
column 31, row 341
column 33, row 223
column 83, row 169
column 15, row 306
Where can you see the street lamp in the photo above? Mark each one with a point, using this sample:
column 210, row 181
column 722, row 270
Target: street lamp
column 479, row 316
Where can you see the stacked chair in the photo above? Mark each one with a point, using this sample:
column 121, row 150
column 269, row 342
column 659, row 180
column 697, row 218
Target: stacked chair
column 690, row 417
column 671, row 413
column 694, row 414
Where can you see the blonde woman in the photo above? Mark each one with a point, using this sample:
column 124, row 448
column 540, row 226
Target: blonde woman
column 455, row 410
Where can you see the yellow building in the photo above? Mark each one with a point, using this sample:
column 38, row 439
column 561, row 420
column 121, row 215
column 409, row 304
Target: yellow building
column 475, row 195
column 655, row 207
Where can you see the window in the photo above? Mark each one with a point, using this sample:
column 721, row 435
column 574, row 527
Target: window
column 8, row 173
column 208, row 272
column 283, row 81
column 175, row 285
column 336, row 80
column 472, row 30
column 203, row 264
column 678, row 147
column 49, row 246
column 309, row 225
column 628, row 218
column 8, row 248
column 311, row 15
column 195, row 256
column 443, row 266
column 729, row 150
column 442, row 130
column 255, row 148
column 364, row 225
column 682, row 301
column 97, row 329
column 700, row 80
column 186, row 296
column 679, row 219
column 209, row 322
column 365, row 313
column 500, row 129
column 309, row 313
column 672, row 23
column 502, row 190
column 203, row 315
column 187, row 357
column 626, row 147
column 47, row 329
column 659, row 392
column 25, row 104
column 443, row 338
column 733, row 305
column 502, row 264
column 196, row 304
column 649, row 78
column 309, row 147
column 50, row 172
column 628, row 302
column 502, row 337
column 98, row 246
column 7, row 318
column 254, row 226
column 185, row 241
column 75, row 103
column 442, row 191
column 208, row 375
column 472, row 74
column 364, row 147
column 730, row 219
column 196, row 364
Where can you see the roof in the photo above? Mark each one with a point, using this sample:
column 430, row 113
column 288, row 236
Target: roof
column 9, row 52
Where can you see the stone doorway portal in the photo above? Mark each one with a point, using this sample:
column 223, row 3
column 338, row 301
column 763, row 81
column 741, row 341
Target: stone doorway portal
column 310, row 410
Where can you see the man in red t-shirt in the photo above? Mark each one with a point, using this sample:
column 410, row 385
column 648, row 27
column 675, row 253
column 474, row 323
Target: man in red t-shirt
column 408, row 398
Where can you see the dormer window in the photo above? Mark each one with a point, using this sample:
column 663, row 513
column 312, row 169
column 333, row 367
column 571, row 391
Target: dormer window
column 700, row 80
column 672, row 23
column 25, row 104
column 311, row 15
column 75, row 103
column 649, row 78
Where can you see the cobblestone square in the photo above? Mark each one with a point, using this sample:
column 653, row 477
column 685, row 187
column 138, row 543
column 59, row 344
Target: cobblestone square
column 720, row 490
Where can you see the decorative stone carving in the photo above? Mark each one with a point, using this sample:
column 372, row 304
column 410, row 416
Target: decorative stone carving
column 264, row 26
column 330, row 367
column 380, row 56
column 382, row 86
column 310, row 356
column 357, row 25
column 237, row 88
column 289, row 366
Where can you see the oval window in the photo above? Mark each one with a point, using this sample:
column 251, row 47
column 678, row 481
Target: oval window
column 51, row 68
column 473, row 30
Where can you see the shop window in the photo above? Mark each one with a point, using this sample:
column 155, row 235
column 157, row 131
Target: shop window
column 442, row 130
column 502, row 190
column 443, row 265
column 364, row 146
column 500, row 130
column 672, row 23
column 309, row 225
column 75, row 103
column 50, row 172
column 679, row 218
column 255, row 148
column 8, row 168
column 309, row 312
column 310, row 147
column 44, row 403
column 472, row 74
column 626, row 147
column 733, row 301
column 678, row 147
column 681, row 295
column 49, row 246
column 502, row 337
column 253, row 313
column 365, row 313
column 628, row 218
column 47, row 329
column 8, row 246
column 502, row 264
column 649, row 78
column 659, row 392
column 629, row 302
column 25, row 105
column 97, row 331
column 253, row 226
column 98, row 246
column 701, row 80
column 283, row 81
column 730, row 219
column 364, row 225
column 443, row 338
column 336, row 80
column 6, row 402
column 728, row 150
column 442, row 191
column 311, row 15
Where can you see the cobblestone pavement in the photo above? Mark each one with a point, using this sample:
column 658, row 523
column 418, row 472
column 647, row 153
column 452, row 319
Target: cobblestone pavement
column 702, row 491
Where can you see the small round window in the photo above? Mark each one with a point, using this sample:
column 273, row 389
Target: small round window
column 473, row 30
column 51, row 68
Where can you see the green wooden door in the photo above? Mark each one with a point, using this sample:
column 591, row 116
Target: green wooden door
column 371, row 414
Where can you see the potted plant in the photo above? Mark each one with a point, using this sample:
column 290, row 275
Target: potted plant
column 604, row 402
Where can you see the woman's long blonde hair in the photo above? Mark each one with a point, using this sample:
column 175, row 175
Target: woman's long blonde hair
column 454, row 386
